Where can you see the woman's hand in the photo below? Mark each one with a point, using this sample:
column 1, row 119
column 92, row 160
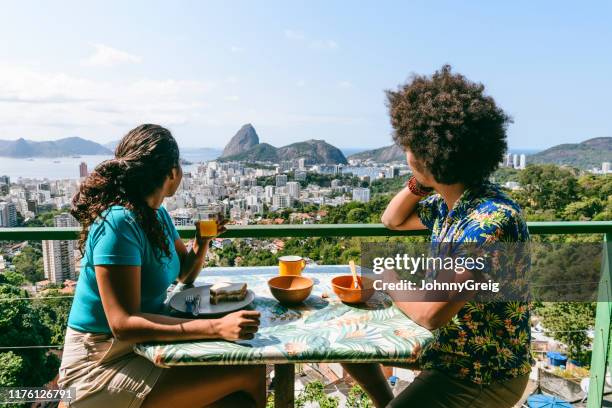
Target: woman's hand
column 200, row 244
column 241, row 325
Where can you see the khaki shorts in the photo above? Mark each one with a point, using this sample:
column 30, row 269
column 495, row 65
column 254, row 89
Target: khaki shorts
column 435, row 389
column 105, row 371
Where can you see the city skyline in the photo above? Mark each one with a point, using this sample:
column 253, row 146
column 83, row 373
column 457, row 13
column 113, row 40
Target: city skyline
column 314, row 70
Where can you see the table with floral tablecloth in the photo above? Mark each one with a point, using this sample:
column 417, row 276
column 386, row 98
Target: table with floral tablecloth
column 322, row 329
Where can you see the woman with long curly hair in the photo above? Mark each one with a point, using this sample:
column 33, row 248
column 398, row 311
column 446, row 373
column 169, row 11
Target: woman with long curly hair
column 131, row 254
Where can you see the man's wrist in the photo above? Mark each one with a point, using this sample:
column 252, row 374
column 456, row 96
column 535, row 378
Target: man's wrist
column 417, row 188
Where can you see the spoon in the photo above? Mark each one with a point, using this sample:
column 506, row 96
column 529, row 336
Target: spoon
column 354, row 272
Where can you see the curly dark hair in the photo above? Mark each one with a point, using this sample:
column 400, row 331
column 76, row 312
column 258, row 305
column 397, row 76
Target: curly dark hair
column 143, row 159
column 452, row 127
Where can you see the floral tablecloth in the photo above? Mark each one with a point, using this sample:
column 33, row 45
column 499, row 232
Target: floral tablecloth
column 323, row 329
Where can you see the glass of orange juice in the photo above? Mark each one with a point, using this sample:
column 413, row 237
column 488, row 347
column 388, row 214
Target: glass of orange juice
column 208, row 221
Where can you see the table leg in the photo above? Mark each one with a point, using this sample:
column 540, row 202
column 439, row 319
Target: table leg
column 284, row 385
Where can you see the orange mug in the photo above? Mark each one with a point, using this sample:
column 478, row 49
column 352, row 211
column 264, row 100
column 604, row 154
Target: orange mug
column 291, row 265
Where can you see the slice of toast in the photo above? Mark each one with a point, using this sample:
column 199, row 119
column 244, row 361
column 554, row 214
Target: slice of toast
column 227, row 292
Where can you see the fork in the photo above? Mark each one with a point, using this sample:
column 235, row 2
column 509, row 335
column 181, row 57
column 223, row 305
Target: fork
column 195, row 309
column 189, row 303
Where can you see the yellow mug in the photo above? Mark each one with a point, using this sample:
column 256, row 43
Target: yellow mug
column 291, row 265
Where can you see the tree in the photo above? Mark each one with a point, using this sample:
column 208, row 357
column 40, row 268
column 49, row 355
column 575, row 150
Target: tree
column 585, row 209
column 568, row 323
column 357, row 398
column 315, row 392
column 29, row 264
column 357, row 216
column 22, row 325
column 53, row 308
column 12, row 278
column 547, row 187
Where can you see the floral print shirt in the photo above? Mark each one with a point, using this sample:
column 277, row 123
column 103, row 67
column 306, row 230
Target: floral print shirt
column 484, row 342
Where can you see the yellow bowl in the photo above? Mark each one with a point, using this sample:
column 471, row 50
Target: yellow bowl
column 290, row 289
column 346, row 291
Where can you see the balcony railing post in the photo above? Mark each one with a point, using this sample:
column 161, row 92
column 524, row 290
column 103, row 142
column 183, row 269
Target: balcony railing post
column 601, row 358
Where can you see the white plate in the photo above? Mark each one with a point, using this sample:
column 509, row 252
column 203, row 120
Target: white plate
column 178, row 301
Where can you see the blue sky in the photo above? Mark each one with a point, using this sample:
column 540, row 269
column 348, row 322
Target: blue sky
column 296, row 70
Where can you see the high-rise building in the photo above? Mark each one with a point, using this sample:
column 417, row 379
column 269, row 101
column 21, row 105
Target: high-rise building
column 269, row 192
column 280, row 201
column 302, row 164
column 605, row 167
column 515, row 161
column 361, row 194
column 83, row 170
column 32, row 205
column 508, row 161
column 300, row 175
column 522, row 161
column 281, row 180
column 293, row 188
column 58, row 256
column 5, row 180
column 8, row 214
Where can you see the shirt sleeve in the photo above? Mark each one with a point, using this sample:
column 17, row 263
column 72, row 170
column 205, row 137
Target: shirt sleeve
column 494, row 224
column 118, row 241
column 428, row 210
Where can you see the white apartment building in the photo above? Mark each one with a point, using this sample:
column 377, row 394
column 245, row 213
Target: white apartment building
column 8, row 214
column 58, row 256
column 281, row 180
column 361, row 194
column 293, row 188
column 280, row 201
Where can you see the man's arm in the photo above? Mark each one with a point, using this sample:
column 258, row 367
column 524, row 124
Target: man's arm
column 401, row 214
column 424, row 308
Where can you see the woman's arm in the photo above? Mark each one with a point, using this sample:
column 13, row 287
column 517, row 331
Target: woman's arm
column 192, row 260
column 119, row 288
column 401, row 212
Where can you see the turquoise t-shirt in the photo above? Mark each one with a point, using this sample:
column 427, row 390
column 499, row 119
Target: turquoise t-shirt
column 117, row 239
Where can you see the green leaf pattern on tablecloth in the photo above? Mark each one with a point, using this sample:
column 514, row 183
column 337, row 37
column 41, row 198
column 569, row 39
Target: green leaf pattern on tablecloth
column 323, row 329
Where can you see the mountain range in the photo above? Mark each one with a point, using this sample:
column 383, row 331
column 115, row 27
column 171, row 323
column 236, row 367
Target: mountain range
column 385, row 154
column 584, row 155
column 22, row 148
column 245, row 146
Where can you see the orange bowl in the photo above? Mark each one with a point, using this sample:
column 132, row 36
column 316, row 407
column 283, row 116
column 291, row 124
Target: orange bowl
column 346, row 291
column 290, row 289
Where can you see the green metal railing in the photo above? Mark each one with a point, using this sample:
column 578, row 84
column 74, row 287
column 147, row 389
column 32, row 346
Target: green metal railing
column 602, row 344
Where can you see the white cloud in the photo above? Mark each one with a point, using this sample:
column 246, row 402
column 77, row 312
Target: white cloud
column 105, row 56
column 294, row 35
column 324, row 45
column 345, row 84
column 301, row 83
column 33, row 101
column 232, row 98
column 235, row 48
column 315, row 44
